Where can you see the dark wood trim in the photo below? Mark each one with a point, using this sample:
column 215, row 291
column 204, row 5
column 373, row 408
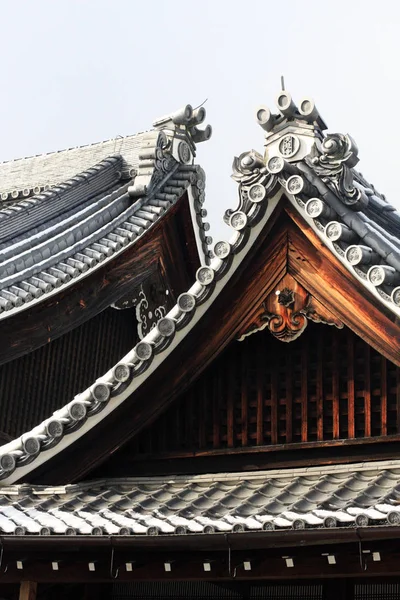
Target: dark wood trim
column 383, row 439
column 251, row 461
column 265, row 551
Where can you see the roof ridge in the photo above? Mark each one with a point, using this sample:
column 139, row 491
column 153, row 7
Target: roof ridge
column 321, row 471
column 72, row 148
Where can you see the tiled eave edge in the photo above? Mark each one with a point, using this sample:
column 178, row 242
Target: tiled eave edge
column 87, row 409
column 165, row 170
column 125, row 506
column 388, row 297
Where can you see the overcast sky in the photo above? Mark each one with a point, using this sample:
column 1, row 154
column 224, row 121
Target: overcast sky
column 75, row 72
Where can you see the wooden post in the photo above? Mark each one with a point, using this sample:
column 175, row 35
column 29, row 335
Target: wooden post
column 28, row 590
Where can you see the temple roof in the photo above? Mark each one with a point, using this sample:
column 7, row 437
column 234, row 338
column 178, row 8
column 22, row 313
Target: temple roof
column 317, row 497
column 65, row 214
column 312, row 172
column 24, row 177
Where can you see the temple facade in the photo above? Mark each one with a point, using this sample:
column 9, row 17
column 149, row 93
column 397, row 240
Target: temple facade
column 183, row 419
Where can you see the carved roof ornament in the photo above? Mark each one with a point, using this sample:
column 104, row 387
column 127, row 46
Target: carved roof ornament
column 317, row 172
column 291, row 133
column 333, row 160
column 151, row 301
column 286, row 312
column 255, row 181
column 296, row 134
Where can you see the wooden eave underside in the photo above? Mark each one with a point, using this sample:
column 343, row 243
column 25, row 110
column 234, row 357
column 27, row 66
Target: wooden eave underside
column 226, row 553
column 157, row 248
column 286, row 245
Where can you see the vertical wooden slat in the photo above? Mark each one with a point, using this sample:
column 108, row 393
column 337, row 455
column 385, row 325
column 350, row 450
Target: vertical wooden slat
column 189, row 418
column 28, row 590
column 230, row 406
column 163, row 434
column 179, row 429
column 350, row 385
column 216, row 409
column 274, row 407
column 304, row 392
column 320, row 389
column 260, row 399
column 397, row 400
column 289, row 398
column 199, row 401
column 244, row 398
column 335, row 387
column 367, row 391
column 383, row 396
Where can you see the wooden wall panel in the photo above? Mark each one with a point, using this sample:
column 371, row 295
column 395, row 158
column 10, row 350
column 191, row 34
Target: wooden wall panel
column 327, row 385
column 33, row 386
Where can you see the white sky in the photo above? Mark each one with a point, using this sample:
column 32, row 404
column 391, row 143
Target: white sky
column 75, row 72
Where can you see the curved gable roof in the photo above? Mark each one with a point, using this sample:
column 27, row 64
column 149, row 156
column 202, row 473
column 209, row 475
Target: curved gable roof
column 315, row 173
column 68, row 214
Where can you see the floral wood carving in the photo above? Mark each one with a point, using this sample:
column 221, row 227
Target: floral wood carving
column 286, row 312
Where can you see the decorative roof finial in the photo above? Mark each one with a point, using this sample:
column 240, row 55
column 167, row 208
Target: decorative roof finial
column 282, row 83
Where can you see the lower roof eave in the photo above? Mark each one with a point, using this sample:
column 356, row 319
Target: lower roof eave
column 206, row 542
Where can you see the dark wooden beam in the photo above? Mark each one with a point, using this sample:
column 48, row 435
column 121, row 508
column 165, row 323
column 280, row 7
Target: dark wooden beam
column 251, row 459
column 353, row 553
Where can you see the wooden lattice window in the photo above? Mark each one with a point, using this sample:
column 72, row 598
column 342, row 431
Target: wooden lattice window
column 327, row 385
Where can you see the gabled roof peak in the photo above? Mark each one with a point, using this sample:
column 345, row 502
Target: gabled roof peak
column 317, row 173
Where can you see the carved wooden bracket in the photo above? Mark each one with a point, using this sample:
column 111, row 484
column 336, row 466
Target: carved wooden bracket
column 286, row 311
column 151, row 300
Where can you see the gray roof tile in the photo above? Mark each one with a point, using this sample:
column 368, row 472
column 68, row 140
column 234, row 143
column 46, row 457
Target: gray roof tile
column 213, row 504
